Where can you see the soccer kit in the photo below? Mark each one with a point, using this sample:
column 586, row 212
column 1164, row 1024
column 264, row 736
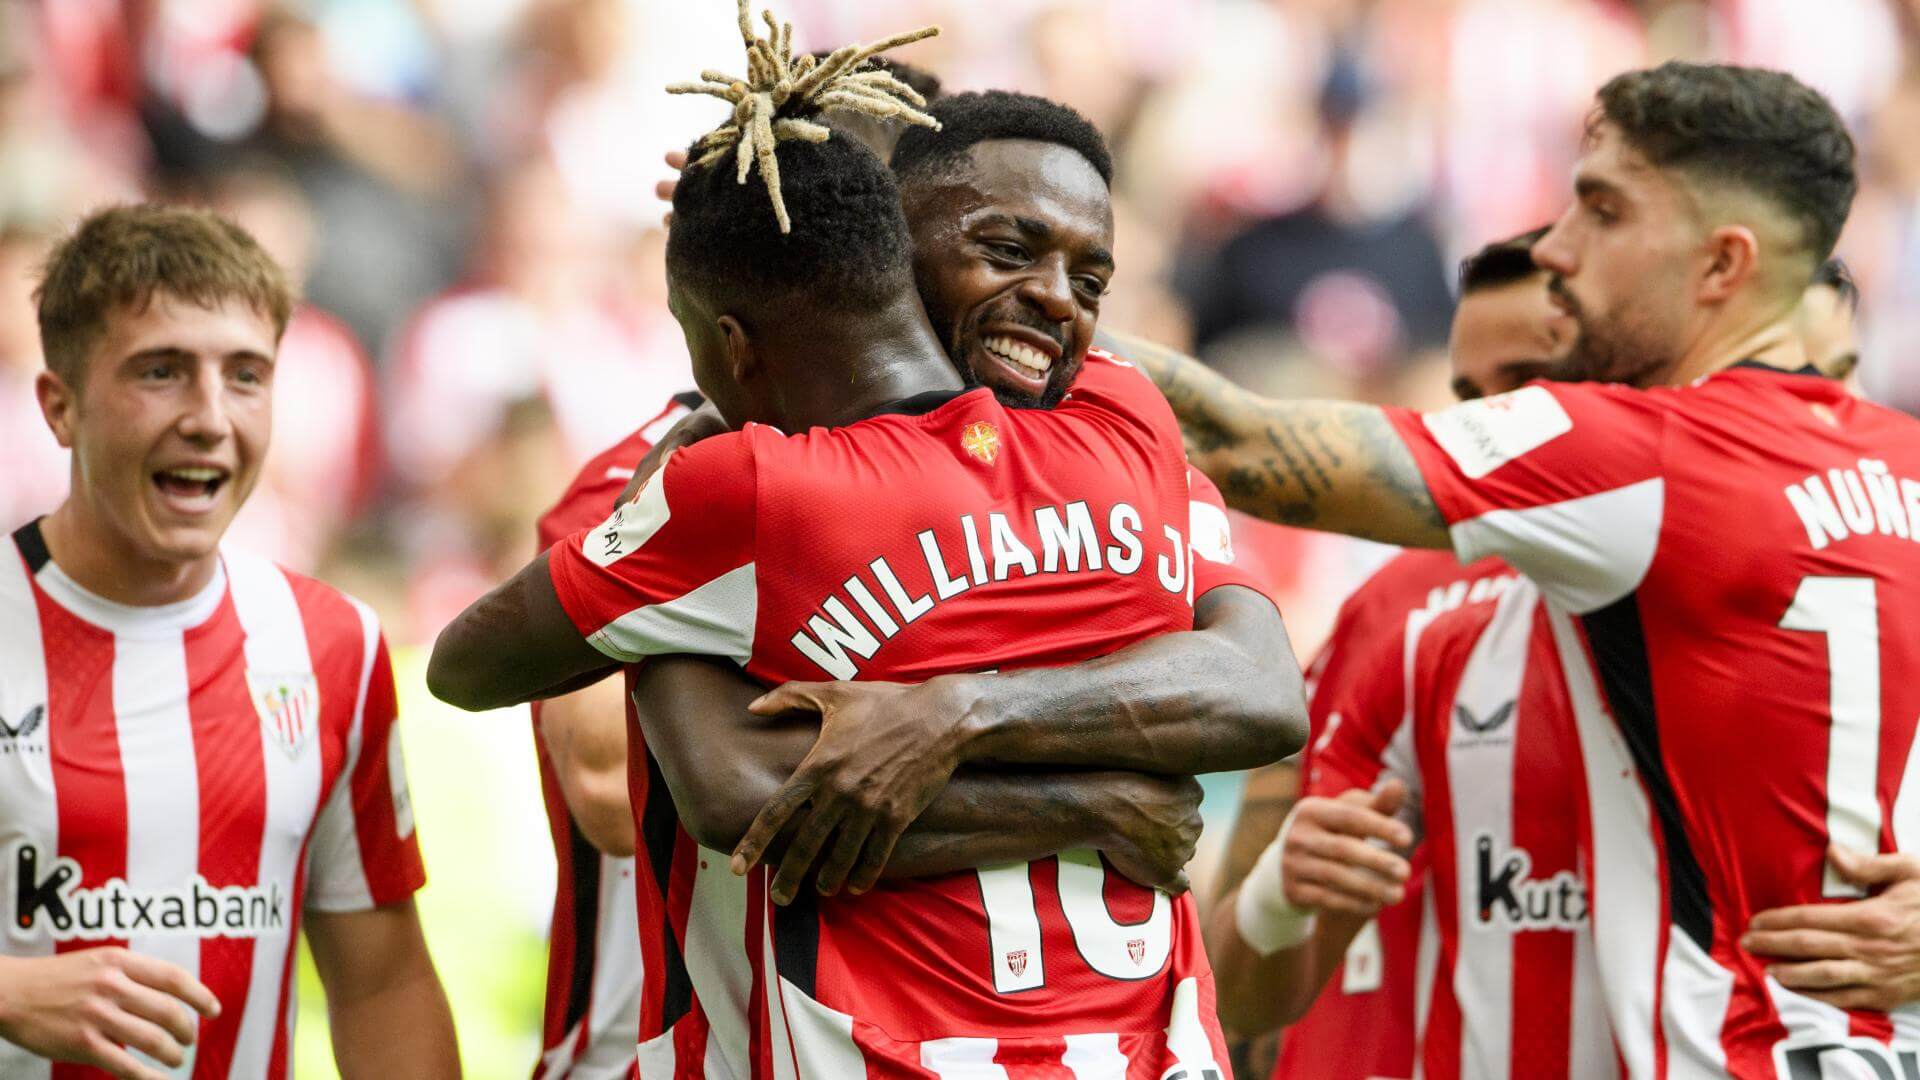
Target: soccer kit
column 1373, row 990
column 1471, row 715
column 595, row 969
column 1725, row 569
column 967, row 520
column 185, row 780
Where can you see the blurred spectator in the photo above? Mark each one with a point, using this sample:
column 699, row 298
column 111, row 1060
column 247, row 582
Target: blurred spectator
column 325, row 462
column 1356, row 275
column 35, row 479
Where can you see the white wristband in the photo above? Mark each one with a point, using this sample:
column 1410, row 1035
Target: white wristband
column 1267, row 922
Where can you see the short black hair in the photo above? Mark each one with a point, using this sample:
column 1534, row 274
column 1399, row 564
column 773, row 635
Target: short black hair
column 970, row 118
column 1765, row 131
column 1836, row 275
column 849, row 247
column 1502, row 262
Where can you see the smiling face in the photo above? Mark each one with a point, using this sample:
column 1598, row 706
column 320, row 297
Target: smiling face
column 1012, row 252
column 1623, row 261
column 168, row 425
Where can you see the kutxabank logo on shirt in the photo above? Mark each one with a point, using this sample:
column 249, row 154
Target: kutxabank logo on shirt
column 56, row 906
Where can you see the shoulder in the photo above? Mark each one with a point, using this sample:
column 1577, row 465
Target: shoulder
column 1408, row 583
column 276, row 600
column 589, row 498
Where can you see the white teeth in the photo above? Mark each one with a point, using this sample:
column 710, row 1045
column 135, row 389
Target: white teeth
column 196, row 476
column 1026, row 356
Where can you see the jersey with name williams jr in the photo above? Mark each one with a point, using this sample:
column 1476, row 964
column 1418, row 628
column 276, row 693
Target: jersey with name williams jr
column 951, row 535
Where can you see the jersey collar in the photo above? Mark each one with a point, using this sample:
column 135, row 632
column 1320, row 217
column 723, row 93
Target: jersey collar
column 127, row 620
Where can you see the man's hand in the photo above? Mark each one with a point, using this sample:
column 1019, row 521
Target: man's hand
column 1333, row 859
column 1859, row 955
column 1157, row 824
column 702, row 423
column 885, row 750
column 92, row 1006
column 677, row 161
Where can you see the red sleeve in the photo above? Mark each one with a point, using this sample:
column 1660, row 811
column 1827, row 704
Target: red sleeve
column 1210, row 536
column 364, row 850
column 1562, row 480
column 672, row 571
column 1356, row 698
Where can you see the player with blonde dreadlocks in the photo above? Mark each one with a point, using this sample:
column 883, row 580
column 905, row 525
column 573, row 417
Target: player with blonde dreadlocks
column 773, row 104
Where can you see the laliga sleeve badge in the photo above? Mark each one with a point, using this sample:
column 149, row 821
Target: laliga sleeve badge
column 289, row 708
column 981, row 440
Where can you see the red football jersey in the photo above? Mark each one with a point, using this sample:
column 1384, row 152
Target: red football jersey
column 597, row 973
column 1470, row 712
column 1373, row 994
column 971, row 518
column 185, row 780
column 1729, row 569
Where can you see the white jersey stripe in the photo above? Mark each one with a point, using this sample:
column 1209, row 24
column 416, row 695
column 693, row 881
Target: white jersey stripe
column 716, row 957
column 822, row 1038
column 656, row 1059
column 1426, row 972
column 1625, row 863
column 276, row 653
column 28, row 808
column 962, row 1059
column 163, row 812
column 1693, row 1006
column 1482, row 805
column 1590, row 1054
column 336, row 868
column 614, row 1010
column 1095, row 1057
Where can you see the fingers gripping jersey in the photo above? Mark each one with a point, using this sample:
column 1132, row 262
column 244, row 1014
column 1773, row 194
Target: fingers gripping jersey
column 1730, row 568
column 904, row 547
column 185, row 780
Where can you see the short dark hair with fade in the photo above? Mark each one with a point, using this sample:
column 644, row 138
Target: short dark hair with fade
column 848, row 247
column 1502, row 262
column 1764, row 131
column 121, row 256
column 970, row 118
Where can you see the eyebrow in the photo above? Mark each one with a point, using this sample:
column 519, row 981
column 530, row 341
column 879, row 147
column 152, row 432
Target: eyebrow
column 1585, row 186
column 1044, row 230
column 175, row 352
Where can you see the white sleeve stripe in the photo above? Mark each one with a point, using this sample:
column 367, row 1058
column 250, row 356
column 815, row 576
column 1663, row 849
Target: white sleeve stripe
column 716, row 619
column 631, row 525
column 1209, row 533
column 1584, row 553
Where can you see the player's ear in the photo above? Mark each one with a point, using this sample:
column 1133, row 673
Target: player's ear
column 58, row 404
column 1733, row 257
column 742, row 361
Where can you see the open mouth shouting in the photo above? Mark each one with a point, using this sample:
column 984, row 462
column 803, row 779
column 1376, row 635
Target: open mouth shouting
column 190, row 489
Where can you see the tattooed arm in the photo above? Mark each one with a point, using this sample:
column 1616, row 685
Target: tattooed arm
column 1337, row 466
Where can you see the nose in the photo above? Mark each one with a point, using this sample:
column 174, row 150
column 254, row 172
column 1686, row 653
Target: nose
column 1554, row 251
column 203, row 418
column 1048, row 289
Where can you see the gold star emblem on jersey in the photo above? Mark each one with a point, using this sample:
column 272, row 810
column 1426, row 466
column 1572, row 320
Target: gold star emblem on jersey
column 982, row 441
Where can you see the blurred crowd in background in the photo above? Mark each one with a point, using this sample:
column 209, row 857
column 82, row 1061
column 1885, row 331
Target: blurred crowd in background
column 464, row 191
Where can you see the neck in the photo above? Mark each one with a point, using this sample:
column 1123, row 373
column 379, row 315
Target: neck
column 82, row 544
column 1765, row 338
column 846, row 372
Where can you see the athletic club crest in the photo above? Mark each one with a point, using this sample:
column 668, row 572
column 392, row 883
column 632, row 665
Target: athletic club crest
column 1017, row 962
column 289, row 708
column 1137, row 948
column 982, row 441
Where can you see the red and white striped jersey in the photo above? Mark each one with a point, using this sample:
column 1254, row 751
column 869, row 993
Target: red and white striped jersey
column 595, row 974
column 988, row 515
column 1472, row 717
column 1729, row 571
column 1354, row 678
column 185, row 780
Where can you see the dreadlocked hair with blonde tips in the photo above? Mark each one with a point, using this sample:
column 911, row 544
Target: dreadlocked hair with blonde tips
column 783, row 95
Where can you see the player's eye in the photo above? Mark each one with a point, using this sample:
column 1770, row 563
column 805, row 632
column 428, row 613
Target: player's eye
column 1006, row 250
column 1090, row 285
column 157, row 372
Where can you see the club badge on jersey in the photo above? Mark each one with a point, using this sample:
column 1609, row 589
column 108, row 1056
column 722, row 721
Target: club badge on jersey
column 289, row 708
